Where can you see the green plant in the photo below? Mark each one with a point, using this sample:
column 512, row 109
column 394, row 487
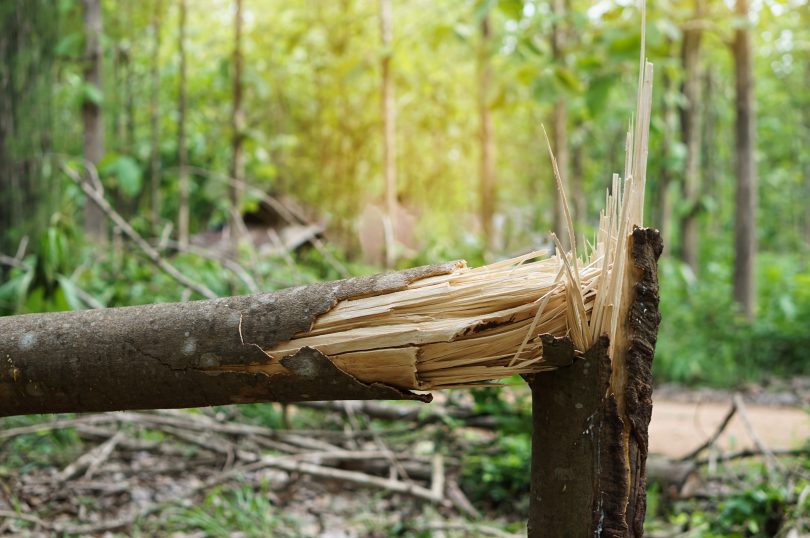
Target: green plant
column 498, row 475
column 225, row 512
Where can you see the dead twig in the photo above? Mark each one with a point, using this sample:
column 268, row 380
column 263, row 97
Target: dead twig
column 467, row 529
column 354, row 477
column 91, row 459
column 771, row 463
column 57, row 424
column 716, row 435
column 753, row 453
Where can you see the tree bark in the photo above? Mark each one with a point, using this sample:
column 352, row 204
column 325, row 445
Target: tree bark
column 486, row 137
column 745, row 242
column 182, row 152
column 589, row 438
column 389, row 133
column 154, row 167
column 690, row 124
column 183, row 354
column 94, row 221
column 237, row 126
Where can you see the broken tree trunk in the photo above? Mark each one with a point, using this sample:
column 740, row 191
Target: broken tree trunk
column 589, row 438
column 184, row 354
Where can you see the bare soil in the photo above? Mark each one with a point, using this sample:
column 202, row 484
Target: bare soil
column 683, row 419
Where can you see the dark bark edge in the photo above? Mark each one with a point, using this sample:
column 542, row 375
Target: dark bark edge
column 590, row 439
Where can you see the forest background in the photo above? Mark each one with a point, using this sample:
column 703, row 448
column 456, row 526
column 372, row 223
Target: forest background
column 263, row 144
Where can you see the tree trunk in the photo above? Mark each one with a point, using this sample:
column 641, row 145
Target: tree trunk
column 665, row 209
column 559, row 124
column 389, row 133
column 589, row 438
column 711, row 185
column 745, row 242
column 580, row 200
column 94, row 220
column 237, row 125
column 154, row 168
column 486, row 137
column 183, row 354
column 182, row 152
column 690, row 124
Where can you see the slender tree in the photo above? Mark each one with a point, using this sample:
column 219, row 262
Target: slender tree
column 559, row 121
column 665, row 208
column 155, row 115
column 94, row 220
column 690, row 126
column 745, row 241
column 487, row 141
column 389, row 133
column 182, row 152
column 237, row 126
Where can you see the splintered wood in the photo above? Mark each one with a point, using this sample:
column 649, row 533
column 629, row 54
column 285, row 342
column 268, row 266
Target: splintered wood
column 474, row 326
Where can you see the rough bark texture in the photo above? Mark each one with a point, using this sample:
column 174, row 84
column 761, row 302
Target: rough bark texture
column 94, row 221
column 168, row 355
column 589, row 441
column 745, row 242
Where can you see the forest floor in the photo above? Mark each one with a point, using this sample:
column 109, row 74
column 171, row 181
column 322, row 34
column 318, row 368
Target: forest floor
column 684, row 418
column 230, row 472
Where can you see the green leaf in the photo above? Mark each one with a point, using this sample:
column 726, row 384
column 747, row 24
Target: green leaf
column 126, row 172
column 69, row 45
column 598, row 92
column 90, row 93
column 567, row 79
column 70, row 291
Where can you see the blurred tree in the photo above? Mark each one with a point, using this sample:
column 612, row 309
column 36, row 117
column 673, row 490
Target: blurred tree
column 182, row 150
column 389, row 132
column 690, row 128
column 94, row 220
column 486, row 137
column 745, row 241
column 237, row 175
column 154, row 108
column 559, row 118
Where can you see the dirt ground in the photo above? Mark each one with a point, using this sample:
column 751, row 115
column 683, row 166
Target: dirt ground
column 683, row 421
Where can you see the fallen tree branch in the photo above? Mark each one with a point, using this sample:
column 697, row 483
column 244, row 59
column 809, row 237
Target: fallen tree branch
column 398, row 413
column 185, row 354
column 754, row 453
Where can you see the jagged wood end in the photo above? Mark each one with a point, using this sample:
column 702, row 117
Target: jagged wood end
column 589, row 440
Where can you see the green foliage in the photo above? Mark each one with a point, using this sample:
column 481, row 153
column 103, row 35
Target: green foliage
column 226, row 512
column 123, row 171
column 50, row 447
column 759, row 509
column 703, row 339
column 497, row 474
